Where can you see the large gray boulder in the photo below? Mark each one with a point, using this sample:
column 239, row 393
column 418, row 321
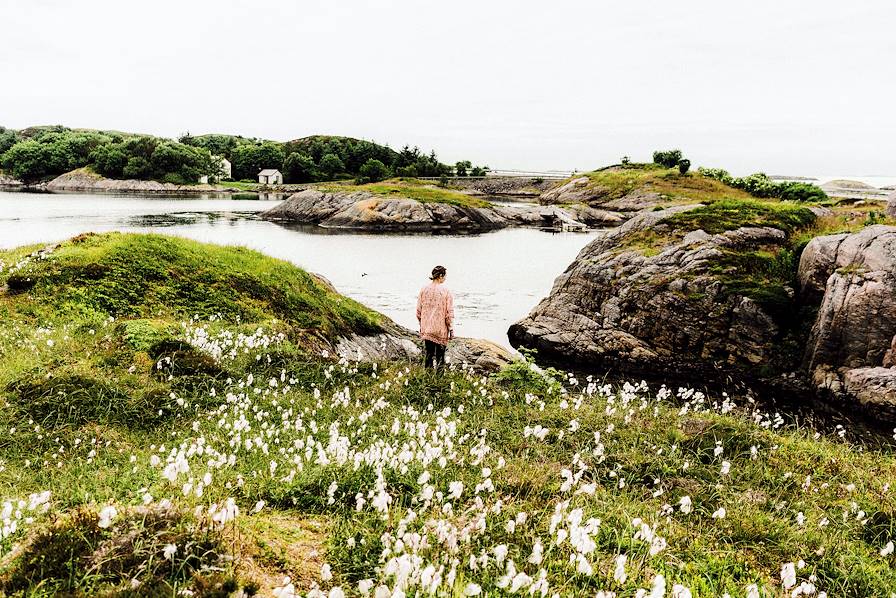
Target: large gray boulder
column 313, row 206
column 891, row 205
column 655, row 309
column 853, row 335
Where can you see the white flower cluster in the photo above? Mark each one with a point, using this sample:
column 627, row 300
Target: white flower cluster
column 226, row 345
column 15, row 515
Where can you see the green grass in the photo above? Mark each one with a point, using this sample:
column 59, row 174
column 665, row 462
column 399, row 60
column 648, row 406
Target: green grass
column 728, row 214
column 119, row 301
column 81, row 345
column 411, row 189
column 241, row 185
column 616, row 182
column 145, row 276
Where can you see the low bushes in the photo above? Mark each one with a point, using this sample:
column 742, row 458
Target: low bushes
column 760, row 185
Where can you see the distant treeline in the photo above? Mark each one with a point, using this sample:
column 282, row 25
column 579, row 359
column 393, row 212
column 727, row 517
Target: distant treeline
column 323, row 157
column 39, row 153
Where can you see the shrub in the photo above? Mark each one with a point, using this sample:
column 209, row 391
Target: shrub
column 110, row 161
column 300, row 168
column 373, row 171
column 669, row 159
column 8, row 138
column 137, row 167
column 50, row 154
column 760, row 185
column 174, row 179
column 524, row 375
column 331, row 165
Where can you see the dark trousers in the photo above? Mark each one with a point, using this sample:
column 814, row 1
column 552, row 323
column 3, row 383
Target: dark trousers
column 435, row 355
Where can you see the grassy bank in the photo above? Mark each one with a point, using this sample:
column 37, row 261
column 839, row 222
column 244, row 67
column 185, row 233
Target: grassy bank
column 410, row 189
column 169, row 423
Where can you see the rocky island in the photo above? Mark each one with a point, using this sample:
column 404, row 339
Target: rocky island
column 413, row 205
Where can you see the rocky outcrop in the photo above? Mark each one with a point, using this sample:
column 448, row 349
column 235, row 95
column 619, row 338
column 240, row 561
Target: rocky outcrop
column 582, row 190
column 397, row 343
column 891, row 205
column 661, row 310
column 651, row 300
column 85, row 180
column 366, row 211
column 853, row 336
column 7, row 181
column 511, row 186
column 577, row 190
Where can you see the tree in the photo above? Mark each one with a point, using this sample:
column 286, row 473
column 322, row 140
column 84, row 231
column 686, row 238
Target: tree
column 669, row 158
column 331, row 165
column 110, row 160
column 373, row 171
column 26, row 160
column 249, row 160
column 461, row 168
column 137, row 167
column 299, row 168
column 8, row 138
column 479, row 171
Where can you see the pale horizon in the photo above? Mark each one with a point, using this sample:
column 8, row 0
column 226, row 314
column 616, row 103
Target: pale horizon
column 801, row 89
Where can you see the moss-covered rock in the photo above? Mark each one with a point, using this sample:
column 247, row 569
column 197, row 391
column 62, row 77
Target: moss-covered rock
column 700, row 290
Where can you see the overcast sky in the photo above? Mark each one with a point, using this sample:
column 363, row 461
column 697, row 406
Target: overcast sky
column 783, row 86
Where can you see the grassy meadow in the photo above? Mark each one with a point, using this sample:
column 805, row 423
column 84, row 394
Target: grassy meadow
column 174, row 423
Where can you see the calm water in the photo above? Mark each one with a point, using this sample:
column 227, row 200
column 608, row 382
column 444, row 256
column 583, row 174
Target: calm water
column 496, row 277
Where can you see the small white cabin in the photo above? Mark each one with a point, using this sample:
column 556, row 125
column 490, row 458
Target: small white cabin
column 270, row 176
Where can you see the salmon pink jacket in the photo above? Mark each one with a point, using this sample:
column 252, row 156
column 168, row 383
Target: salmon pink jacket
column 435, row 312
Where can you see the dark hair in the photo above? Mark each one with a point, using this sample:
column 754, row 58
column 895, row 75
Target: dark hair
column 438, row 272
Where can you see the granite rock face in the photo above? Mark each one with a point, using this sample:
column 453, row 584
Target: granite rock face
column 891, row 205
column 663, row 312
column 581, row 191
column 678, row 309
column 365, row 211
column 850, row 349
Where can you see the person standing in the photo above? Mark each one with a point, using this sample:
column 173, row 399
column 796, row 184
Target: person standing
column 435, row 313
